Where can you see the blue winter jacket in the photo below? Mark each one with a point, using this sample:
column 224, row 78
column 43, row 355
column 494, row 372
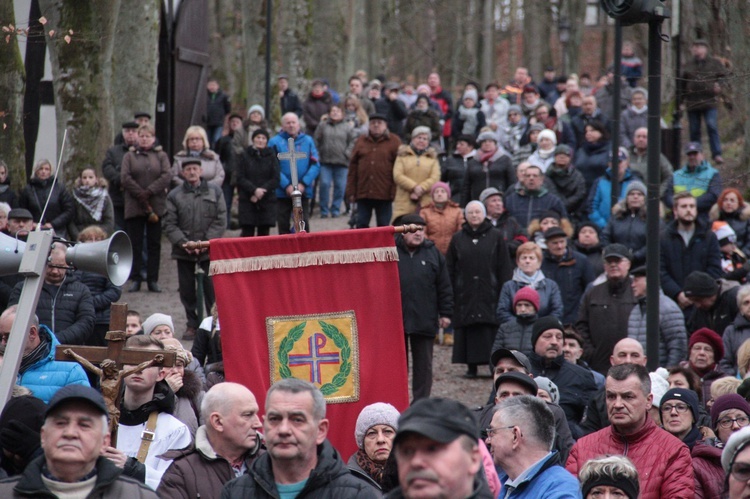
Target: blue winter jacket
column 546, row 478
column 49, row 375
column 600, row 202
column 307, row 168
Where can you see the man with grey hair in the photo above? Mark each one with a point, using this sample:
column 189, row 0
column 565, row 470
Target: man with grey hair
column 225, row 446
column 520, row 438
column 74, row 435
column 300, row 460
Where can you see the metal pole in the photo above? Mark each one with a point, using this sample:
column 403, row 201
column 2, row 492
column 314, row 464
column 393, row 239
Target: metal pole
column 616, row 92
column 269, row 16
column 169, row 111
column 652, row 203
column 679, row 85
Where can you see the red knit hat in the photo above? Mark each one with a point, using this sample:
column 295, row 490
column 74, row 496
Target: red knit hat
column 705, row 335
column 528, row 294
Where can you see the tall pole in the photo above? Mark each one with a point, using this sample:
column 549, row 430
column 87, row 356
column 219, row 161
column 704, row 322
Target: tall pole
column 616, row 92
column 679, row 86
column 269, row 16
column 652, row 203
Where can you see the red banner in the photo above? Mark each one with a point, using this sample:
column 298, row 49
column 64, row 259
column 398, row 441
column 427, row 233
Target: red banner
column 325, row 307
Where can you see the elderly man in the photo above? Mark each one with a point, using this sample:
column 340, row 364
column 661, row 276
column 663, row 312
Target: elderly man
column 437, row 452
column 663, row 462
column 520, row 438
column 531, row 198
column 20, row 223
column 300, row 460
column 570, row 269
column 705, row 350
column 370, row 181
column 605, row 308
column 74, row 433
column 225, row 446
column 307, row 171
column 576, row 383
column 39, row 371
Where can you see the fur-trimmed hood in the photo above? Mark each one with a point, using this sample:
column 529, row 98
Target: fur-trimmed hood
column 565, row 225
column 715, row 213
column 406, row 150
column 191, row 385
column 205, row 153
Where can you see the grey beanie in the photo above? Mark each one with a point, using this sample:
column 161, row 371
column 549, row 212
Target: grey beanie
column 486, row 136
column 470, row 94
column 157, row 319
column 548, row 386
column 421, row 130
column 374, row 414
column 635, row 185
column 258, row 108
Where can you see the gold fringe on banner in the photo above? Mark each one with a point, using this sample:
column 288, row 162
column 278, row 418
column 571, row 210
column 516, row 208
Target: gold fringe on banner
column 297, row 260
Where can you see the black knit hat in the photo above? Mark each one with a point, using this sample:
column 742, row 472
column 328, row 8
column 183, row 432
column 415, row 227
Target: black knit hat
column 699, row 283
column 684, row 395
column 259, row 131
column 544, row 324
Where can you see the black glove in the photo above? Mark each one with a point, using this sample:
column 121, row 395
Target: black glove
column 17, row 438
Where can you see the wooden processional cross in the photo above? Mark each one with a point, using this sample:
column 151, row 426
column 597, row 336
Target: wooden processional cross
column 111, row 359
column 293, row 156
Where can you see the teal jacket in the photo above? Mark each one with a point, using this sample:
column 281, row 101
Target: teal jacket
column 704, row 183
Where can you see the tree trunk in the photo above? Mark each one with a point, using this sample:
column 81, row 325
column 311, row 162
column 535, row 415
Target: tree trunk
column 738, row 36
column 488, row 47
column 576, row 13
column 82, row 76
column 12, row 80
column 537, row 20
column 328, row 33
column 135, row 57
column 254, row 51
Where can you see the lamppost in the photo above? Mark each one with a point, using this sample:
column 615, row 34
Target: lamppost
column 563, row 32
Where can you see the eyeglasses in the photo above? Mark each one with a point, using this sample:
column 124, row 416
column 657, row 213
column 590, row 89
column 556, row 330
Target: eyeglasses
column 728, row 422
column 491, row 431
column 740, row 472
column 680, row 408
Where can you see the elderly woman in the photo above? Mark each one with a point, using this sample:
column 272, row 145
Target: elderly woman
column 196, row 145
column 528, row 273
column 627, row 225
column 375, row 430
column 61, row 208
column 4, row 210
column 544, row 155
column 257, row 179
column 737, row 332
column 609, row 476
column 7, row 194
column 492, row 168
column 415, row 171
column 145, row 178
column 478, row 264
column 186, row 385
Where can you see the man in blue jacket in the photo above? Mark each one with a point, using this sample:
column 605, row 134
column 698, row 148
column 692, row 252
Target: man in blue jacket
column 698, row 178
column 307, row 171
column 39, row 371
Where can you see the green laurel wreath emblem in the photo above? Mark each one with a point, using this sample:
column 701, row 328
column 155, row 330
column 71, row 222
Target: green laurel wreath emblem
column 333, row 333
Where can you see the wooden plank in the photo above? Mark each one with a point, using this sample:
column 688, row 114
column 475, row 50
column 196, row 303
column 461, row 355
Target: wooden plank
column 128, row 356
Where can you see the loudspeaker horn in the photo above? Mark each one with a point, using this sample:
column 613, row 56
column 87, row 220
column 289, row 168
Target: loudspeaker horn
column 11, row 253
column 112, row 257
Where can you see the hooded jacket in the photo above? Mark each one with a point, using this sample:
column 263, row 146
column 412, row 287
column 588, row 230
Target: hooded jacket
column 600, row 199
column 515, row 334
column 628, row 228
column 307, row 169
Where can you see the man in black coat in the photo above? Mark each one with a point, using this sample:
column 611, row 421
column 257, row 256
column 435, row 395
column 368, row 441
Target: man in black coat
column 426, row 300
column 289, row 100
column 714, row 302
column 111, row 169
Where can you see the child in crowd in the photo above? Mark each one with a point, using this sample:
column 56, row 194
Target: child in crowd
column 133, row 323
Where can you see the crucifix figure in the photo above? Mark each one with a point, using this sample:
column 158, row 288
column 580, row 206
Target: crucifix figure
column 111, row 359
column 293, row 156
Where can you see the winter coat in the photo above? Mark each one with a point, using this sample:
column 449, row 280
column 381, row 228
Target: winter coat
column 572, row 273
column 335, row 142
column 470, row 119
column 428, row 118
column 546, row 478
column 591, row 160
column 194, row 213
column 103, row 293
column 699, row 78
column 709, row 475
column 313, row 110
column 83, row 217
column 593, row 255
column 480, row 490
column 478, row 265
column 110, row 483
column 290, row 103
column 513, row 234
column 704, row 183
column 665, row 468
column 442, row 223
column 496, row 172
column 68, row 309
column 206, row 348
column 603, row 320
column 672, row 335
column 145, row 171
column 257, row 168
column 495, row 112
column 213, row 170
column 111, row 170
column 627, row 228
column 600, row 198
column 630, row 121
column 330, row 479
column 605, row 98
column 217, row 106
column 371, row 168
column 739, row 221
column 515, row 334
column 639, row 163
column 543, row 163
column 394, row 111
column 734, row 336
column 576, row 385
column 525, row 206
column 453, row 170
column 550, row 300
column 677, row 260
column 721, row 314
column 307, row 168
column 48, row 375
column 569, row 185
column 198, row 471
column 188, row 400
column 60, row 210
column 426, row 292
column 579, row 122
column 412, row 169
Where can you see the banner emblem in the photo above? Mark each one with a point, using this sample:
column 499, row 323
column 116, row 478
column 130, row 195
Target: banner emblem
column 320, row 348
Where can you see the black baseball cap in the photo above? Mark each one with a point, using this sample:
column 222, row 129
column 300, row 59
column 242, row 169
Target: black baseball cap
column 77, row 392
column 439, row 419
column 617, row 250
column 191, row 161
column 378, row 116
column 519, row 378
column 554, row 232
column 504, row 353
column 638, row 271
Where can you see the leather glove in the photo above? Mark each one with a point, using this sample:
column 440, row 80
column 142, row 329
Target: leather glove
column 17, row 438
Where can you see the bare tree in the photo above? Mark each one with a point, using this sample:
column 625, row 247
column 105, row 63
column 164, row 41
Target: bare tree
column 253, row 50
column 537, row 26
column 12, row 79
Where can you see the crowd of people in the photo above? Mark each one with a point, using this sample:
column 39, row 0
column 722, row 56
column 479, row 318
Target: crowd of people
column 522, row 265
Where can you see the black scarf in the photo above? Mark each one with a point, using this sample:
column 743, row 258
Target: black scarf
column 40, row 352
column 163, row 401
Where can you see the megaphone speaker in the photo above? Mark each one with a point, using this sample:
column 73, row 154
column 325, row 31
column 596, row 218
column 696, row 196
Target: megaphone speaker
column 112, row 257
column 11, row 253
